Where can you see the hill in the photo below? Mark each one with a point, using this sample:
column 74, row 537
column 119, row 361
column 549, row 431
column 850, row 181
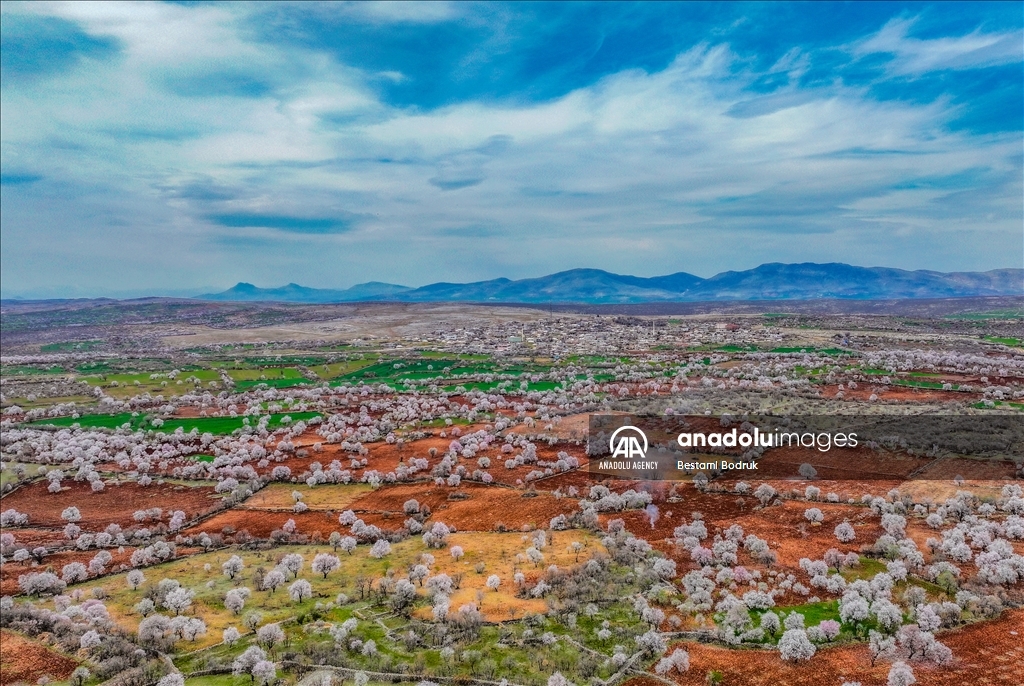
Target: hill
column 774, row 281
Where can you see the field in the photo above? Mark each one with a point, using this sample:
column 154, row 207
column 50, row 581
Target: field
column 25, row 661
column 441, row 455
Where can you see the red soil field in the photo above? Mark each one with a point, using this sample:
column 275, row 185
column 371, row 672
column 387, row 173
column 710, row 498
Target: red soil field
column 486, row 507
column 10, row 572
column 33, row 537
column 260, row 523
column 900, row 393
column 113, row 505
column 490, row 508
column 984, row 653
column 838, row 463
column 385, row 457
column 25, row 661
column 949, row 469
column 784, row 527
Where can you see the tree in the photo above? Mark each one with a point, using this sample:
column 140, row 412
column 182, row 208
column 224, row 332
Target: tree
column 844, row 532
column 403, row 595
column 173, row 679
column 252, row 620
column 234, row 600
column 90, row 639
column 325, row 564
column 348, row 544
column 300, row 590
column 293, row 563
column 71, row 514
column 380, row 549
column 270, row 635
column 770, row 623
column 144, row 607
column 244, row 663
column 135, row 579
column 765, row 493
column 493, row 582
column 274, row 578
column 41, row 583
column 264, row 672
column 81, row 675
column 192, row 628
column 231, row 635
column 437, row 537
column 795, row 646
column 678, row 660
column 153, row 630
column 928, row 619
column 880, row 646
column 418, row 573
column 178, row 599
column 829, row 629
column 232, row 567
column 814, row 515
column 900, row 674
column 794, row 620
column 853, row 609
column 651, row 643
column 887, row 614
column 807, row 470
column 74, row 572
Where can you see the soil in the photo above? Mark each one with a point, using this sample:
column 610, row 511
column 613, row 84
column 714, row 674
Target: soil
column 115, row 504
column 905, row 394
column 487, row 508
column 25, row 661
column 10, row 572
column 260, row 523
column 984, row 653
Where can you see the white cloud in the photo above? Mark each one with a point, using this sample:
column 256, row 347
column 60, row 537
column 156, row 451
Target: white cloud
column 916, row 56
column 639, row 173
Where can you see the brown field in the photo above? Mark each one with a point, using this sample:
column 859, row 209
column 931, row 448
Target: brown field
column 839, row 464
column 113, row 505
column 486, row 508
column 260, row 523
column 25, row 661
column 906, row 394
column 10, row 571
column 32, row 537
column 986, row 653
column 334, row 497
column 938, row 491
column 981, row 470
column 783, row 526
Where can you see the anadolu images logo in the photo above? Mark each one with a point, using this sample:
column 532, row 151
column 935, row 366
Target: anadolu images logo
column 628, row 446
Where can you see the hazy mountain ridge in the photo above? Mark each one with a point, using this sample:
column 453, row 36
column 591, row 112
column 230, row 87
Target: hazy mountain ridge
column 773, row 281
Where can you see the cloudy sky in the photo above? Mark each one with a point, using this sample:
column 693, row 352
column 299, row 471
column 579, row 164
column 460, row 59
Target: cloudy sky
column 178, row 148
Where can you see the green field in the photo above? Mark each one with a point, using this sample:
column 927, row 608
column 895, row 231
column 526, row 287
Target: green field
column 70, row 347
column 23, row 370
column 213, row 425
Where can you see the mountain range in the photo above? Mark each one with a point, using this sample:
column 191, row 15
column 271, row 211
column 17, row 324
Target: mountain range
column 774, row 281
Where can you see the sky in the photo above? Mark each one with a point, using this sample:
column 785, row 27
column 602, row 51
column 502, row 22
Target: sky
column 178, row 148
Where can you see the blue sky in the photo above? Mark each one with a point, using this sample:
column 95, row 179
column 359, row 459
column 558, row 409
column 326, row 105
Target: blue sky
column 182, row 147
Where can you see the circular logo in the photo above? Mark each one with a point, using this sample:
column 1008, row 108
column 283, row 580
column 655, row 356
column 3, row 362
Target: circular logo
column 627, row 445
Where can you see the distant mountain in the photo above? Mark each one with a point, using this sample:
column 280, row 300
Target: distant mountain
column 775, row 281
column 294, row 293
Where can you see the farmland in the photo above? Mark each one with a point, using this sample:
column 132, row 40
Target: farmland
column 412, row 500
